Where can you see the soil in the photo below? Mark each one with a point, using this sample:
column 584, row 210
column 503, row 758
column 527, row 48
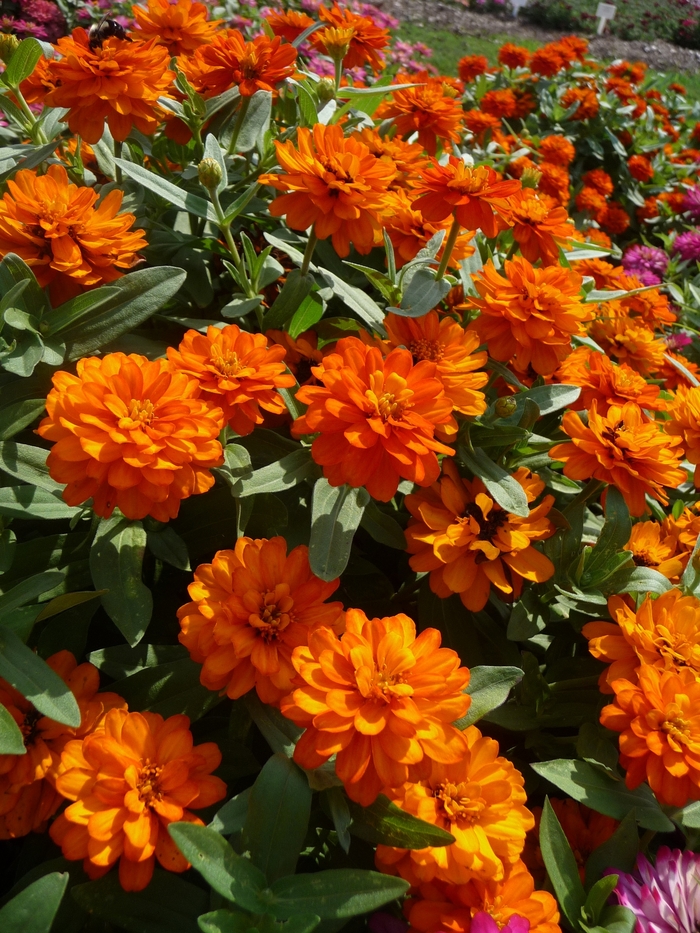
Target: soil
column 660, row 55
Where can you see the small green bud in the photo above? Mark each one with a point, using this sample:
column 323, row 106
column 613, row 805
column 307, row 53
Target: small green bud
column 8, row 46
column 325, row 89
column 530, row 178
column 505, row 407
column 210, row 173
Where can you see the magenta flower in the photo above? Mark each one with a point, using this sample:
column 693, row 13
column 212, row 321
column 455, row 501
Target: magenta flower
column 639, row 259
column 687, row 245
column 691, row 202
column 665, row 897
column 484, row 923
column 678, row 340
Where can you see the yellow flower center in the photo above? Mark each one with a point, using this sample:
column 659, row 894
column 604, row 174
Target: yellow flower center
column 470, row 181
column 531, row 211
column 275, row 613
column 426, row 350
column 147, row 785
column 461, row 803
column 141, row 412
column 388, row 396
column 227, row 364
column 676, row 729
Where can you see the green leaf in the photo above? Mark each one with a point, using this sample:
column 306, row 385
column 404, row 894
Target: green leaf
column 66, row 601
column 33, row 909
column 383, row 823
column 340, row 814
column 23, row 62
column 598, row 897
column 29, row 589
column 19, row 415
column 423, row 293
column 11, row 739
column 140, row 294
column 256, row 122
column 336, row 512
column 226, row 921
column 294, row 292
column 212, row 150
column 72, row 311
column 614, row 535
column 360, row 302
column 122, row 660
column 334, row 894
column 35, row 680
column 291, row 470
column 617, row 919
column 489, row 688
column 168, row 905
column 182, row 199
column 561, row 866
column 507, row 492
column 309, row 312
column 13, row 269
column 33, row 502
column 594, row 788
column 382, row 527
column 618, row 852
column 28, row 464
column 116, row 557
column 690, row 581
column 278, row 817
column 168, row 689
column 280, row 733
column 638, row 580
column 232, row 816
column 229, row 874
column 167, row 545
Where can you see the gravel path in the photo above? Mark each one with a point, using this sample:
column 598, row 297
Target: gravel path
column 657, row 54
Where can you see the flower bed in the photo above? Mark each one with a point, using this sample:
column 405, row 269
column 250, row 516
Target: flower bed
column 349, row 433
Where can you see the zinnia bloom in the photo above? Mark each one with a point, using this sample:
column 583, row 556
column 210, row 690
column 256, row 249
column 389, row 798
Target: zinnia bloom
column 684, row 425
column 477, row 197
column 181, row 26
column 651, row 546
column 557, row 150
column 540, row 226
column 639, row 258
column 691, row 202
column 529, row 315
column 585, row 831
column 333, row 184
column 663, row 632
column 499, row 103
column 587, row 100
column 379, row 698
column 665, row 897
column 288, row 24
column 615, row 219
column 251, row 607
column 452, row 348
column 513, row 56
column 590, row 200
column 640, row 168
column 409, row 232
column 69, row 243
column 511, row 903
column 471, row 66
column 131, row 433
column 467, row 542
column 237, row 372
column 229, row 61
column 555, row 182
column 427, row 109
column 129, row 781
column 659, row 721
column 481, row 801
column 624, row 449
column 687, row 245
column 375, row 418
column 629, row 341
column 606, row 383
column 301, row 353
column 367, row 40
column 28, row 796
column 118, row 81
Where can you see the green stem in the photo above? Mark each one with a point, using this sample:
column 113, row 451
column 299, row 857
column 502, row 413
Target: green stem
column 242, row 111
column 35, row 132
column 338, row 73
column 309, row 251
column 447, row 251
column 225, row 227
column 576, row 683
column 590, row 491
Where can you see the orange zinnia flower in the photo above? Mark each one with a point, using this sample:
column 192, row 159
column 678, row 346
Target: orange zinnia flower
column 333, row 184
column 513, row 56
column 28, row 796
column 467, row 542
column 555, row 182
column 685, row 423
column 479, row 123
column 529, row 315
column 379, row 698
column 237, row 372
column 540, row 226
column 477, row 197
column 367, row 40
column 659, row 721
column 438, row 907
column 427, row 109
column 640, row 168
column 599, row 179
column 409, row 232
column 651, row 546
column 604, row 274
column 624, row 449
column 557, row 150
column 229, row 61
column 587, row 100
column 131, row 433
column 608, row 384
column 181, row 26
column 288, row 24
column 664, row 633
column 549, row 60
column 592, row 201
column 68, row 242
column 444, row 342
column 409, row 159
column 627, row 340
column 614, row 218
column 118, row 81
column 301, row 353
column 129, row 781
column 652, row 307
column 481, row 801
column 375, row 417
column 251, row 607
column 471, row 66
column 499, row 103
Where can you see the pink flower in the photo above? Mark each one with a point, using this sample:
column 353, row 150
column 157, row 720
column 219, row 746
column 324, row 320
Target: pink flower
column 665, row 897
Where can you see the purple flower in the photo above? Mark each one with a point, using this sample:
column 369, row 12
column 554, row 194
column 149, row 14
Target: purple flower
column 691, row 202
column 665, row 898
column 678, row 340
column 484, row 923
column 639, row 259
column 687, row 245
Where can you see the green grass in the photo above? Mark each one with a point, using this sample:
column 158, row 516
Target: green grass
column 448, row 48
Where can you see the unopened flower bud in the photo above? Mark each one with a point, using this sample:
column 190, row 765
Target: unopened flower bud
column 8, row 44
column 530, row 177
column 210, row 173
column 325, row 90
column 505, row 407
